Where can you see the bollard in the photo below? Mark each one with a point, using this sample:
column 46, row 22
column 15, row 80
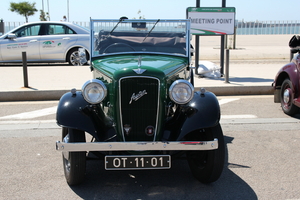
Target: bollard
column 25, row 74
column 2, row 31
column 291, row 55
column 227, row 67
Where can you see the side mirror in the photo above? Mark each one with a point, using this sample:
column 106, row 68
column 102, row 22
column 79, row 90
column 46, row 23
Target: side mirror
column 11, row 36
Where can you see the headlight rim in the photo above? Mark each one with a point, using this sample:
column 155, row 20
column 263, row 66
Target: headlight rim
column 93, row 81
column 178, row 82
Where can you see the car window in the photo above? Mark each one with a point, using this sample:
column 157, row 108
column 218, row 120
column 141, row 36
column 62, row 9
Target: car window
column 59, row 29
column 28, row 31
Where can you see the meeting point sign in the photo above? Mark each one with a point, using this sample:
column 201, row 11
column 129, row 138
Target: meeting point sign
column 211, row 21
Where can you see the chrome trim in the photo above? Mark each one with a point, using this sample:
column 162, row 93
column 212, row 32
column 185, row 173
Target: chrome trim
column 157, row 112
column 66, row 139
column 138, row 146
column 139, row 61
column 286, row 95
column 141, row 52
column 139, row 70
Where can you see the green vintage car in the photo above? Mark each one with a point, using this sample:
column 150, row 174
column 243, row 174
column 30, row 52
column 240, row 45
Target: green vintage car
column 140, row 108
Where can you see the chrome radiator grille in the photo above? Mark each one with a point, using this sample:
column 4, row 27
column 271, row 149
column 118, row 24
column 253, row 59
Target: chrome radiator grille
column 139, row 103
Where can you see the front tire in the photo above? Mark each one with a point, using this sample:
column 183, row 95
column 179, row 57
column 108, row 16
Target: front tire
column 286, row 98
column 74, row 162
column 207, row 166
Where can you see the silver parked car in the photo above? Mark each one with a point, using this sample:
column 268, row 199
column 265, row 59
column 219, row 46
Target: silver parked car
column 45, row 41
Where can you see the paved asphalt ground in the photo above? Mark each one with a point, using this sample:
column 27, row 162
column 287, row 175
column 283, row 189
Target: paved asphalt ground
column 252, row 68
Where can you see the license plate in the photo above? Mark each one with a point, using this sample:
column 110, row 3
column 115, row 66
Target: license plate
column 137, row 162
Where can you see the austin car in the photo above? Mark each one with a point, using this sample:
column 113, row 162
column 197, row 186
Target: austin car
column 140, row 110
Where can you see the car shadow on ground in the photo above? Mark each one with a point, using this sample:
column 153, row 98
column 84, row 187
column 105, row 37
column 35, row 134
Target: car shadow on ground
column 249, row 79
column 176, row 183
column 296, row 116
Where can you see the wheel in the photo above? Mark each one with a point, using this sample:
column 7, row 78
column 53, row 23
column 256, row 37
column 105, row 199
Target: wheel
column 207, row 166
column 286, row 98
column 74, row 162
column 73, row 57
column 118, row 44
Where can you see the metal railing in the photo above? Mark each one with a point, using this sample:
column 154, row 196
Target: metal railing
column 267, row 27
column 242, row 27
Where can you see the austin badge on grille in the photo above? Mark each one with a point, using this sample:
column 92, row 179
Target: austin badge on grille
column 136, row 97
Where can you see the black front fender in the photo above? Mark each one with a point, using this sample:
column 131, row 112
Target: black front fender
column 202, row 112
column 69, row 113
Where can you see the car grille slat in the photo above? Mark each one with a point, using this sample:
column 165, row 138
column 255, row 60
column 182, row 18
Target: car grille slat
column 140, row 112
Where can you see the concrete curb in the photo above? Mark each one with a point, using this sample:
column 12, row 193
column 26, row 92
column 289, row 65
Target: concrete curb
column 38, row 95
column 43, row 95
column 239, row 90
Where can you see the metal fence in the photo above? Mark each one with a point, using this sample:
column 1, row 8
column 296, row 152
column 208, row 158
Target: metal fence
column 267, row 27
column 242, row 27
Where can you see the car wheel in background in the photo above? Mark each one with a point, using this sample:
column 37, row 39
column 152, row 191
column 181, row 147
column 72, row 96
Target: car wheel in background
column 207, row 166
column 286, row 98
column 74, row 162
column 73, row 57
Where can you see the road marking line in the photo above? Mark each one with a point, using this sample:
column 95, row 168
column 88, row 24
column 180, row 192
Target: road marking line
column 238, row 116
column 32, row 114
column 52, row 110
column 29, row 122
column 224, row 101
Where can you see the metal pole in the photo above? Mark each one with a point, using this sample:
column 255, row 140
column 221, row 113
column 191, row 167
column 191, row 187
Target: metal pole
column 222, row 54
column 68, row 10
column 234, row 38
column 43, row 5
column 227, row 67
column 197, row 50
column 197, row 44
column 197, row 3
column 25, row 74
column 48, row 9
column 222, row 46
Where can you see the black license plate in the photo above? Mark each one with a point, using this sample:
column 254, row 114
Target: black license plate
column 137, row 162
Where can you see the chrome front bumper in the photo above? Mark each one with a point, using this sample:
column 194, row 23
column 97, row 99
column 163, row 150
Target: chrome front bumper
column 137, row 146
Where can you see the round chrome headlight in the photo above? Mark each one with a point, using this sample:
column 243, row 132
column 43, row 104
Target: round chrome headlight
column 94, row 91
column 181, row 92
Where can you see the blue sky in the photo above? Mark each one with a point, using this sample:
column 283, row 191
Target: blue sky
column 82, row 10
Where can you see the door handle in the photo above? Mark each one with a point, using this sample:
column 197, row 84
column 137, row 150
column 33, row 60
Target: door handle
column 66, row 38
column 32, row 40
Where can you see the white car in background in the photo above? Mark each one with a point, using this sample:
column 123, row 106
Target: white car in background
column 45, row 41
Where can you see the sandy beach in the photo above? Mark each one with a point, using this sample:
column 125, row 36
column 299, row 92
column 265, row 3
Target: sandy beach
column 248, row 47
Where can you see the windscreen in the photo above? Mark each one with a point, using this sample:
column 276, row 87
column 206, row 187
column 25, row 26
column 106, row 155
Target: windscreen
column 140, row 36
